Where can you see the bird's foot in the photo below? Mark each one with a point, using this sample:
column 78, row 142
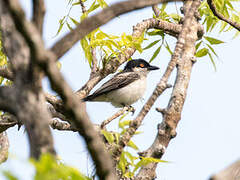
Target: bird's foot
column 131, row 109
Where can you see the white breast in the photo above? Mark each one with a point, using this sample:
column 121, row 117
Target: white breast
column 128, row 94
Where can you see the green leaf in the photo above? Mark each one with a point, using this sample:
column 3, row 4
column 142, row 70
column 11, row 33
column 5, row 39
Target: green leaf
column 213, row 40
column 93, row 7
column 59, row 65
column 202, row 52
column 109, row 136
column 102, row 3
column 9, row 175
column 151, row 159
column 69, row 26
column 122, row 124
column 211, row 58
column 76, row 3
column 61, row 23
column 122, row 163
column 151, row 44
column 74, row 21
column 132, row 145
column 198, row 45
column 210, row 47
column 168, row 48
column 156, row 32
column 209, row 22
column 155, row 54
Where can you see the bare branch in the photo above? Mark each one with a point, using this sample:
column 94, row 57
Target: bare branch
column 116, row 115
column 221, row 17
column 4, row 145
column 38, row 14
column 95, row 21
column 184, row 51
column 57, row 124
column 46, row 61
column 7, row 121
column 232, row 172
column 30, row 107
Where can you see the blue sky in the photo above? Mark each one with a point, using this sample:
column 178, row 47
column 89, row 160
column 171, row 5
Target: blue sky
column 208, row 134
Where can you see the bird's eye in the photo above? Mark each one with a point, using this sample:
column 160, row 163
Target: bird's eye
column 141, row 65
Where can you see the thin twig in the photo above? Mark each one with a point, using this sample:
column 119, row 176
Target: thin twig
column 221, row 17
column 95, row 21
column 116, row 115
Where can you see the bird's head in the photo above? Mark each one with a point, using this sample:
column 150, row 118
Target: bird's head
column 139, row 65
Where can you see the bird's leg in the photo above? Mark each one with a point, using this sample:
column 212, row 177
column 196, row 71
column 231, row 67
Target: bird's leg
column 131, row 109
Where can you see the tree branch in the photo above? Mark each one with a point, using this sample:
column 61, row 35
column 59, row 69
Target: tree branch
column 95, row 21
column 232, row 172
column 116, row 115
column 7, row 99
column 30, row 107
column 46, row 61
column 184, row 51
column 221, row 17
column 4, row 145
column 38, row 14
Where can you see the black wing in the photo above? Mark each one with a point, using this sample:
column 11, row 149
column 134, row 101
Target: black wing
column 118, row 81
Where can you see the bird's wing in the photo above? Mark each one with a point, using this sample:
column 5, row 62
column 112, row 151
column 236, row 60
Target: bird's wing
column 118, row 81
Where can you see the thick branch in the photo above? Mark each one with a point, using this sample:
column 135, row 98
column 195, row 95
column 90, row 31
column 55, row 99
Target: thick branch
column 30, row 107
column 95, row 21
column 221, row 17
column 184, row 51
column 46, row 61
column 232, row 172
column 38, row 14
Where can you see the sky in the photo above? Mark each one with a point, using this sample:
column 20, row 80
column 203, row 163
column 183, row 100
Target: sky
column 207, row 135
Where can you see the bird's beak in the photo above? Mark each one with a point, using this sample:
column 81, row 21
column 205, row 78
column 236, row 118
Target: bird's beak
column 150, row 68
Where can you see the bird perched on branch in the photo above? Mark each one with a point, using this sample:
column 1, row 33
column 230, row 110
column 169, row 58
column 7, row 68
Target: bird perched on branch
column 126, row 87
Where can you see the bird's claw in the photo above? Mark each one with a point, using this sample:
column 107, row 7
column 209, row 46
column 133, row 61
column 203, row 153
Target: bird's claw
column 131, row 109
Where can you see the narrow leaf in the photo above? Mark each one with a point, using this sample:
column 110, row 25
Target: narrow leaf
column 202, row 52
column 213, row 40
column 155, row 54
column 211, row 58
column 151, row 44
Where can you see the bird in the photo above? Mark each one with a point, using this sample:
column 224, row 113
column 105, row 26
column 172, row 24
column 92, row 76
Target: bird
column 126, row 87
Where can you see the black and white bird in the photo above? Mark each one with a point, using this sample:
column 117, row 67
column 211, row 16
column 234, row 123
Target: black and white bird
column 126, row 87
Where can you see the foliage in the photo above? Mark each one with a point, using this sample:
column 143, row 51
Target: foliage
column 224, row 7
column 109, row 45
column 129, row 163
column 48, row 168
